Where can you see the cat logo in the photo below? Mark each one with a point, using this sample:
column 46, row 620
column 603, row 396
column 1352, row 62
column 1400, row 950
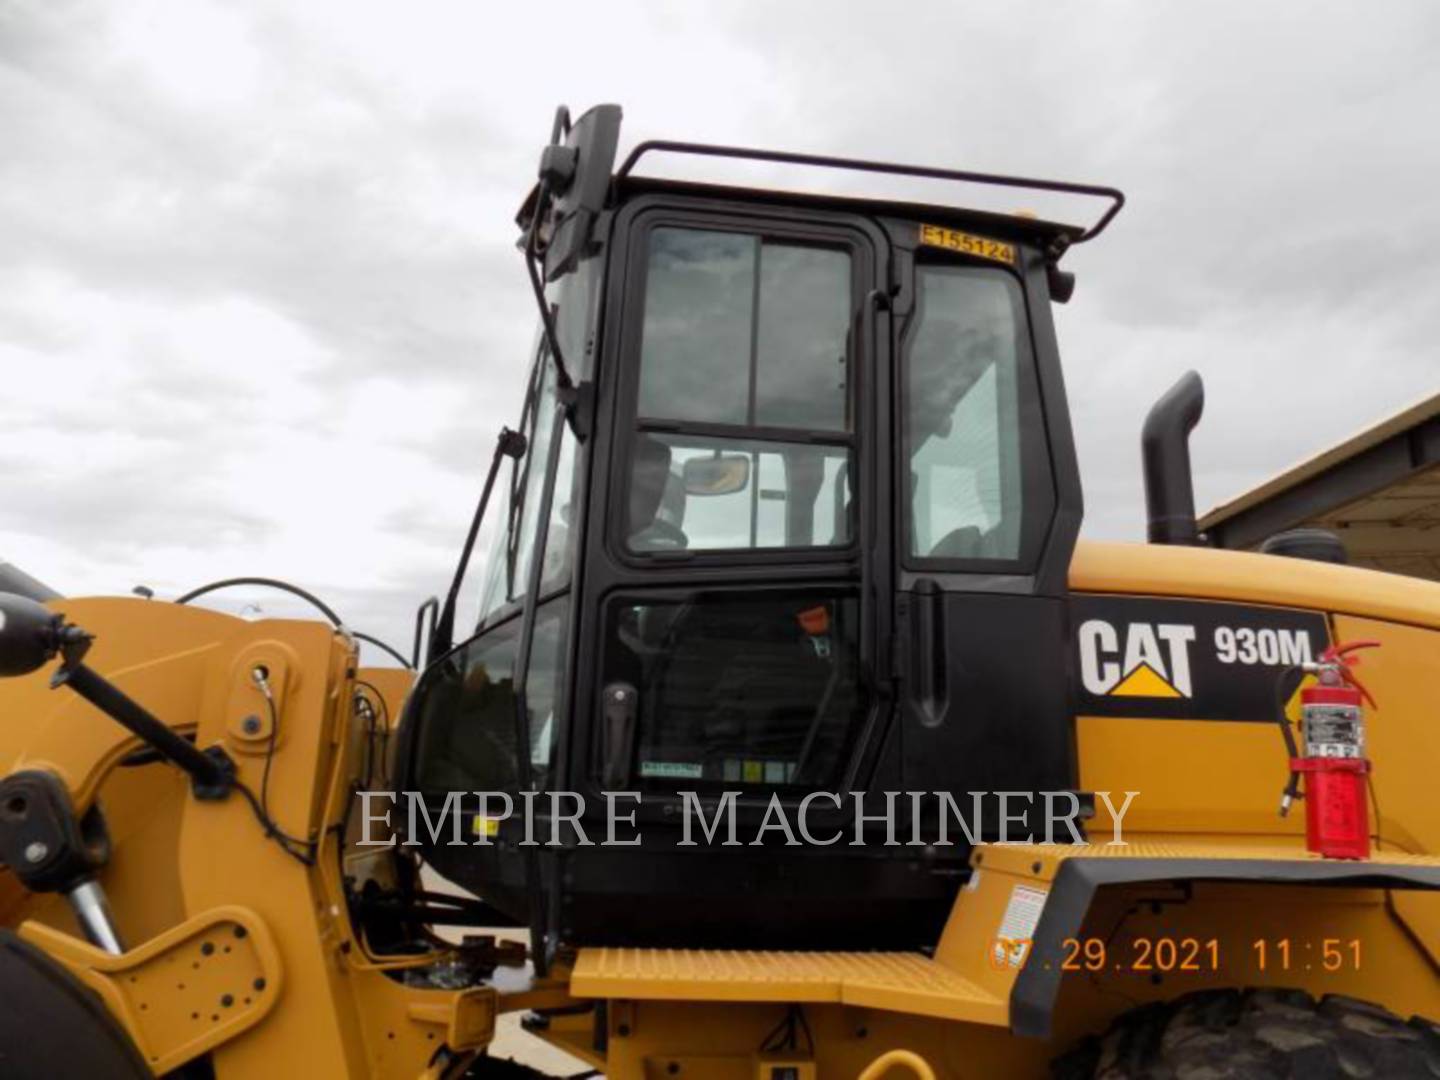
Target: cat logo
column 1154, row 661
column 1164, row 658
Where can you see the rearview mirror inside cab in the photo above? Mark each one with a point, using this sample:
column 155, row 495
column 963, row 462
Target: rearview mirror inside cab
column 723, row 474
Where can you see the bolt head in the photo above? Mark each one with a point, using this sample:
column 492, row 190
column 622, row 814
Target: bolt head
column 36, row 852
column 251, row 725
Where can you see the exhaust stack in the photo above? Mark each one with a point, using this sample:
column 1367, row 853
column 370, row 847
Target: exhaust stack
column 1165, row 452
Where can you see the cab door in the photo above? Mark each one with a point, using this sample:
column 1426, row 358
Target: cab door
column 730, row 597
column 988, row 507
column 730, row 565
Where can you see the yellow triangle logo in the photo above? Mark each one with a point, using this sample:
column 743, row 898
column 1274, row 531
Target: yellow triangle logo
column 1145, row 681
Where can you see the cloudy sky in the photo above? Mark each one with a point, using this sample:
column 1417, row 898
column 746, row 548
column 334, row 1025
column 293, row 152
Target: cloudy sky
column 261, row 311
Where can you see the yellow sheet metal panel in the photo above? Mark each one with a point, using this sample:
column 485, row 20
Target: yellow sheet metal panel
column 342, row 1015
column 185, row 991
column 705, row 975
column 1190, row 776
column 1403, row 736
column 1014, row 857
column 1210, row 574
column 915, row 984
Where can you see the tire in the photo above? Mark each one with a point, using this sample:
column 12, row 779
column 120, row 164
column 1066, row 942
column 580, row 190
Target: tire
column 51, row 1025
column 488, row 1068
column 1258, row 1035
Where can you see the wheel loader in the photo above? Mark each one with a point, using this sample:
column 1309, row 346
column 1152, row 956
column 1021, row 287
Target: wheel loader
column 795, row 734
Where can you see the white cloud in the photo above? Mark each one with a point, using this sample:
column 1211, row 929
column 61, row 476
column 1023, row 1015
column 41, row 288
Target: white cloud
column 260, row 309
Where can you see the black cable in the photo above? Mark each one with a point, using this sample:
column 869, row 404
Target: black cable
column 302, row 851
column 379, row 698
column 1292, row 784
column 805, row 1024
column 269, row 583
column 767, row 1044
column 783, row 1036
column 366, row 712
column 310, row 598
column 269, row 753
column 383, row 731
column 358, row 636
column 261, row 806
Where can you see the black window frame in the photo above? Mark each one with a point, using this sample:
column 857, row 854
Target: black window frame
column 1038, row 474
column 628, row 422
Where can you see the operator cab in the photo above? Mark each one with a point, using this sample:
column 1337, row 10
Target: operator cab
column 791, row 522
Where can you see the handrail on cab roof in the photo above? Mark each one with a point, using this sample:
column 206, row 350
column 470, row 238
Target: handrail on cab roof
column 1115, row 195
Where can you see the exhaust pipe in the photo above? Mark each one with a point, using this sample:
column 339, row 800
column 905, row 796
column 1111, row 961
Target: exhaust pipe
column 1165, row 453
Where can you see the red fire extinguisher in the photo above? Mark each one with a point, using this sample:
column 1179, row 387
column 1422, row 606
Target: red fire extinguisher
column 1336, row 771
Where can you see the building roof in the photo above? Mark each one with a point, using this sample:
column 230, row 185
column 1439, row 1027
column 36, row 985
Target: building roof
column 1378, row 490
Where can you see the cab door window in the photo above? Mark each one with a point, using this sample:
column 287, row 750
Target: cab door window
column 744, row 413
column 739, row 690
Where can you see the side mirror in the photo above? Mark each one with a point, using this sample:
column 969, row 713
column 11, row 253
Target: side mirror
column 577, row 173
column 30, row 635
column 723, row 474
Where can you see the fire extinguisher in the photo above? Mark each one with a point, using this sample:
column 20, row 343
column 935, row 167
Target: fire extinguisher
column 1336, row 771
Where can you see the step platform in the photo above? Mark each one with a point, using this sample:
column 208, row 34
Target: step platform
column 895, row 981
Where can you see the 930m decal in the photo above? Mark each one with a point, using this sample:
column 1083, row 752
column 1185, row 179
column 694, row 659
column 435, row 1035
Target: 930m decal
column 1186, row 659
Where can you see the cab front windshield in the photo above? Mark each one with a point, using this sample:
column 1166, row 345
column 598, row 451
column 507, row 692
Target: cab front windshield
column 468, row 723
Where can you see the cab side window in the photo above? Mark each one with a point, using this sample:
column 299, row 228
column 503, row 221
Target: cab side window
column 965, row 358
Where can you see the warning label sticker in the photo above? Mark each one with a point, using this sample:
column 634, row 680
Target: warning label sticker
column 1017, row 925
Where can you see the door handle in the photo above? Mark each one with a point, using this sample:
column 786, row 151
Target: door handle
column 620, row 705
column 929, row 662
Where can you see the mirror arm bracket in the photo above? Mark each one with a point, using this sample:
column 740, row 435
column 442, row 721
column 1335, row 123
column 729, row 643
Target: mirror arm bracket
column 579, row 402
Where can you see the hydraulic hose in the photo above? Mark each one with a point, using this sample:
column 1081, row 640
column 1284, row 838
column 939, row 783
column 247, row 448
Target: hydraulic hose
column 891, row 1059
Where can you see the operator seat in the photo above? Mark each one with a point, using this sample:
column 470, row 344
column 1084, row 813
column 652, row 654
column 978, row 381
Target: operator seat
column 649, row 474
column 965, row 542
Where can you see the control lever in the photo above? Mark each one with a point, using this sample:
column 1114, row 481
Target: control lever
column 620, row 702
